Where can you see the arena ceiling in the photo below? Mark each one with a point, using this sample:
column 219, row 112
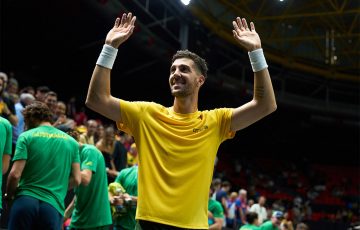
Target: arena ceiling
column 312, row 47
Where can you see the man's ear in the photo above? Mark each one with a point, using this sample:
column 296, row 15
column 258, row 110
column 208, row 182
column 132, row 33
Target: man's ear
column 201, row 80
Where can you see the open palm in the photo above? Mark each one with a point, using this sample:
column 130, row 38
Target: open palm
column 121, row 31
column 247, row 38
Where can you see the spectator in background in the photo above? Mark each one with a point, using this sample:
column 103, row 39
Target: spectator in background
column 25, row 99
column 230, row 217
column 7, row 108
column 260, row 209
column 45, row 163
column 286, row 223
column 50, row 100
column 132, row 155
column 88, row 136
column 274, row 222
column 62, row 122
column 106, row 145
column 222, row 197
column 217, row 187
column 252, row 222
column 119, row 156
column 41, row 91
column 241, row 208
column 12, row 89
column 99, row 133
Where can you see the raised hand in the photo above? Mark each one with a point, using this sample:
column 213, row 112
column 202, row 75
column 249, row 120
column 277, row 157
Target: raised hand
column 121, row 31
column 247, row 38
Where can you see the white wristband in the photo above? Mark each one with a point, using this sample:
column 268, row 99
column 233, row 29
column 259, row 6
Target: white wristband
column 107, row 56
column 257, row 60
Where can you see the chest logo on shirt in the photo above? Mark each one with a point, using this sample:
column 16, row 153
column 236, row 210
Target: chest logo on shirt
column 196, row 130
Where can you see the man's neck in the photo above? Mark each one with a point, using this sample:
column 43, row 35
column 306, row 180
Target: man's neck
column 185, row 105
column 45, row 123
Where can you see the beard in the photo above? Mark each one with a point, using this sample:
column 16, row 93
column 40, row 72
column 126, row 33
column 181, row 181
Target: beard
column 181, row 93
column 186, row 89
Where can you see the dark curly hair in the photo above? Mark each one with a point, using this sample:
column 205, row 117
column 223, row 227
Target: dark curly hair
column 35, row 113
column 73, row 133
column 200, row 63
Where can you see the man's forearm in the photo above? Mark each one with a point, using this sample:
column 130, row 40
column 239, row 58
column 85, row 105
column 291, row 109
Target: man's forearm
column 11, row 185
column 72, row 183
column 263, row 88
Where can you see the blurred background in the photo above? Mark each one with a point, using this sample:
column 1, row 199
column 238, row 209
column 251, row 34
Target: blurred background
column 308, row 149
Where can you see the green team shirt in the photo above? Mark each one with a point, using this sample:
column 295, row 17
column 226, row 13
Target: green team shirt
column 216, row 209
column 5, row 143
column 128, row 179
column 268, row 226
column 92, row 207
column 250, row 227
column 49, row 155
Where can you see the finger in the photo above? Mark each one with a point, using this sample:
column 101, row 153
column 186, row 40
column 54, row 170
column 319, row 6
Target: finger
column 123, row 18
column 244, row 23
column 240, row 25
column 132, row 23
column 252, row 26
column 129, row 16
column 117, row 21
column 235, row 25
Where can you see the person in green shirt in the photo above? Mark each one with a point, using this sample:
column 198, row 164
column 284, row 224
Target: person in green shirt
column 252, row 221
column 5, row 148
column 215, row 212
column 90, row 208
column 127, row 199
column 45, row 165
column 274, row 222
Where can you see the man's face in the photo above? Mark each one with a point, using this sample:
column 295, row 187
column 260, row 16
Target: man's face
column 40, row 96
column 91, row 129
column 184, row 79
column 60, row 109
column 262, row 201
column 51, row 101
column 276, row 221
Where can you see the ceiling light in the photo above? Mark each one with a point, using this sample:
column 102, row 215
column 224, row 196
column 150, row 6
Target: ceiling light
column 185, row 2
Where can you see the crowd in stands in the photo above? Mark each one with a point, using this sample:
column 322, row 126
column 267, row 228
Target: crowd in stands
column 302, row 192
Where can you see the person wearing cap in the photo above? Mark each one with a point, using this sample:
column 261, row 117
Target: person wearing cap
column 274, row 222
column 252, row 222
